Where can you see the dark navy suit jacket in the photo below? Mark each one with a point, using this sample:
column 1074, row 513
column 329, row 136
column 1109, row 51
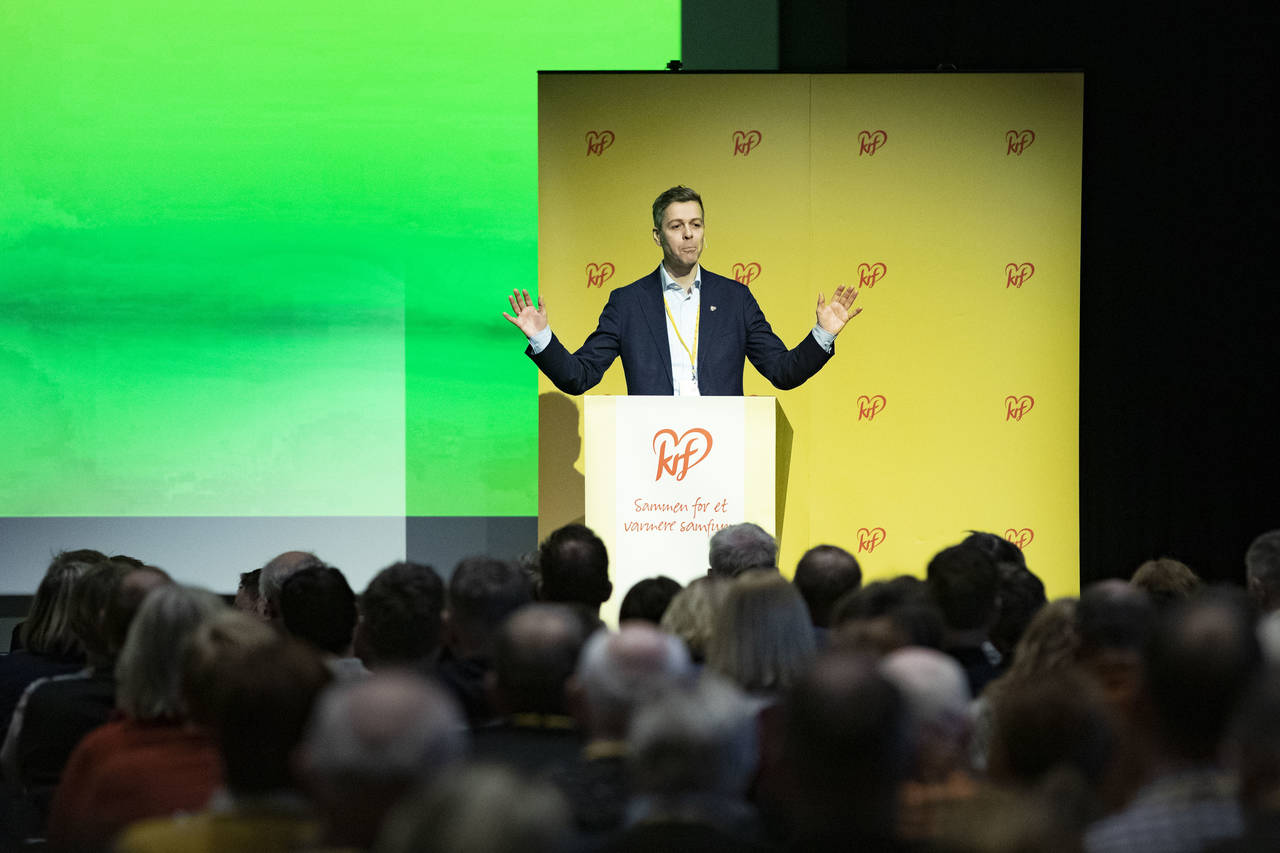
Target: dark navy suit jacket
column 634, row 325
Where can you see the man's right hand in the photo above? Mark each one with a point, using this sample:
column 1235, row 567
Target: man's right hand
column 527, row 319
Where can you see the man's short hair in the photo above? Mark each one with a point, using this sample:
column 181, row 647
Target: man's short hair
column 965, row 584
column 823, row 575
column 575, row 567
column 277, row 569
column 390, row 729
column 1166, row 580
column 1113, row 615
column 318, row 606
column 670, row 197
column 617, row 672
column 249, row 583
column 698, row 739
column 648, row 599
column 1262, row 560
column 1021, row 597
column 535, row 654
column 126, row 597
column 484, row 591
column 741, row 547
column 401, row 615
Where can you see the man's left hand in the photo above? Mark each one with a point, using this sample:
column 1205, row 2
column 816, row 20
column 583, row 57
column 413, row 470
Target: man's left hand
column 834, row 314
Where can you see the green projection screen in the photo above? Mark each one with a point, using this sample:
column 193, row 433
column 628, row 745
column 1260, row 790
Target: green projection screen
column 253, row 258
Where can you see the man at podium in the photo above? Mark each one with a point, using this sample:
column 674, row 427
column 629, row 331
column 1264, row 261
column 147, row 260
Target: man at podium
column 681, row 329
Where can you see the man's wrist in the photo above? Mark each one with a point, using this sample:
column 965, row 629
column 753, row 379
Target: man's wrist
column 825, row 339
column 538, row 340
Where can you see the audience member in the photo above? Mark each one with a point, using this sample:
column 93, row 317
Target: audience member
column 85, row 557
column 692, row 612
column 1199, row 660
column 1048, row 646
column 575, row 568
column 48, row 645
column 247, row 592
column 1262, row 571
column 616, row 673
column 847, row 753
column 149, row 762
column 535, row 654
column 692, row 754
column 369, row 743
column 648, row 599
column 482, row 593
column 1262, row 577
column 1166, row 581
column 965, row 584
column 887, row 615
column 937, row 697
column 1255, row 742
column 1053, row 733
column 318, row 607
column 262, row 697
column 400, row 618
column 1021, row 596
column 762, row 638
column 480, row 809
column 824, row 575
column 272, row 578
column 739, row 548
column 55, row 712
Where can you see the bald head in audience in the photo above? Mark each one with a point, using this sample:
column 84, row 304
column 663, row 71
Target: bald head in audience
column 618, row 671
column 369, row 743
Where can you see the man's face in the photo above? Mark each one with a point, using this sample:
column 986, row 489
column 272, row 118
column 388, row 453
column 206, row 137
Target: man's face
column 680, row 236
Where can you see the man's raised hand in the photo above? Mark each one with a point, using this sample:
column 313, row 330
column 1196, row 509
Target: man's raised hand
column 834, row 314
column 527, row 319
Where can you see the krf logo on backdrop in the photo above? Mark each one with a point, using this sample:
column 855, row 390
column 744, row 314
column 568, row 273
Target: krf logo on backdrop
column 598, row 141
column 598, row 274
column 870, row 141
column 745, row 140
column 746, row 273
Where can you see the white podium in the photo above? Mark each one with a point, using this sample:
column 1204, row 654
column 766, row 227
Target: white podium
column 665, row 473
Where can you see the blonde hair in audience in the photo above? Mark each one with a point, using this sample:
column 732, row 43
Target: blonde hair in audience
column 763, row 638
column 692, row 611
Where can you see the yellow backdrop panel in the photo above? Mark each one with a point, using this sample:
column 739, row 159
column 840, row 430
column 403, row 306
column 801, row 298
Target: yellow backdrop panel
column 951, row 201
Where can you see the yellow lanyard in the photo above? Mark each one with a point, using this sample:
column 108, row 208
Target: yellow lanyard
column 697, row 321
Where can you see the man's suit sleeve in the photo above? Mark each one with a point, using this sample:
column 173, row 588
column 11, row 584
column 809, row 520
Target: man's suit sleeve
column 579, row 372
column 785, row 368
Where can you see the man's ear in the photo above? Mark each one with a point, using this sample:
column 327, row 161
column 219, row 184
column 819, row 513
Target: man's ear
column 656, row 240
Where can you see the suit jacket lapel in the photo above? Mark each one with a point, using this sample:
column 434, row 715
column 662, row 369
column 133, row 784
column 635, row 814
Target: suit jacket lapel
column 707, row 328
column 655, row 315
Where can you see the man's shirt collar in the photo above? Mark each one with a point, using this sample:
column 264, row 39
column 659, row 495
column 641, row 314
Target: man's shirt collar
column 669, row 283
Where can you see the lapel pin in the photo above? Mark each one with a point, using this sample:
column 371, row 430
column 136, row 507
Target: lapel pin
column 713, row 307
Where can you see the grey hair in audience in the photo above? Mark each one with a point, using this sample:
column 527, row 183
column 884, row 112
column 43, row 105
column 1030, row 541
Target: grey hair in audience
column 479, row 809
column 617, row 672
column 741, row 547
column 700, row 739
column 274, row 573
column 392, row 726
column 1262, row 569
column 150, row 667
